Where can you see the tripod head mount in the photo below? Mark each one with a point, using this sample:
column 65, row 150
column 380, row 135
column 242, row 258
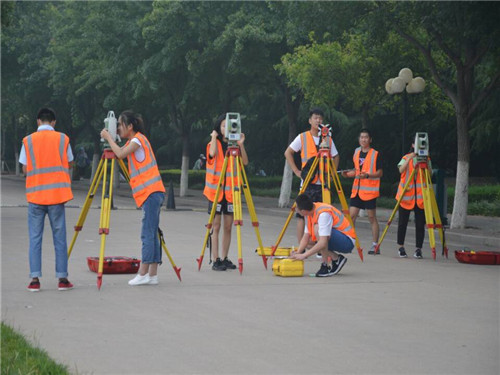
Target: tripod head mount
column 326, row 133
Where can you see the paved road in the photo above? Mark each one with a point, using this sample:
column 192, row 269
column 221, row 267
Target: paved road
column 385, row 315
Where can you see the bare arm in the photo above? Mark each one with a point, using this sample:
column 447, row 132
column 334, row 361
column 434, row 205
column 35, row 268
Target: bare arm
column 289, row 158
column 213, row 144
column 320, row 245
column 403, row 167
column 120, row 152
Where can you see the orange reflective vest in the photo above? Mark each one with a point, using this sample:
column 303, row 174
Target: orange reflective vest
column 367, row 188
column 339, row 223
column 414, row 188
column 47, row 170
column 309, row 150
column 212, row 176
column 145, row 177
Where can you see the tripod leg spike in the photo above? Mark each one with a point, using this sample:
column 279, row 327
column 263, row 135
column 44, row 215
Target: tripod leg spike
column 178, row 272
column 240, row 265
column 434, row 253
column 200, row 261
column 99, row 280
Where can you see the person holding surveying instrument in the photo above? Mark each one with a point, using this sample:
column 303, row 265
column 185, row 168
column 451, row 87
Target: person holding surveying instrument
column 307, row 143
column 413, row 200
column 327, row 232
column 216, row 150
column 147, row 189
column 365, row 188
column 46, row 157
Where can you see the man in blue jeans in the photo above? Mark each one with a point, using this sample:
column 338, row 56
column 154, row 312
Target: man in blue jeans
column 327, row 232
column 46, row 158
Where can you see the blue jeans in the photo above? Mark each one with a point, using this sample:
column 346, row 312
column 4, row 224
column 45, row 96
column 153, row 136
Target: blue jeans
column 339, row 242
column 36, row 220
column 151, row 248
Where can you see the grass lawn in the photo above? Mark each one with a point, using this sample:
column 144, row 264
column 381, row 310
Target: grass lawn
column 19, row 357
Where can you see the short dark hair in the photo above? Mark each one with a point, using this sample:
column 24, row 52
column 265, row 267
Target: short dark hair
column 304, row 202
column 316, row 111
column 365, row 130
column 130, row 118
column 46, row 114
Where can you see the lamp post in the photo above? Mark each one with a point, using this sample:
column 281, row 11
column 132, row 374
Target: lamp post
column 405, row 83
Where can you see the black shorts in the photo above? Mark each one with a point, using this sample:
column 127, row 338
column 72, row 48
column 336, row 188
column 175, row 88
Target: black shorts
column 364, row 205
column 313, row 191
column 222, row 207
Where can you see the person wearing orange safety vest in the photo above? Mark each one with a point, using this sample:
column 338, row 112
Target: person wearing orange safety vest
column 412, row 201
column 216, row 151
column 307, row 143
column 365, row 188
column 327, row 232
column 46, row 157
column 147, row 189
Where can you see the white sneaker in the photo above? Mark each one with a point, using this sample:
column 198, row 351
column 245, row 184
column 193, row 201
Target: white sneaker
column 153, row 280
column 139, row 280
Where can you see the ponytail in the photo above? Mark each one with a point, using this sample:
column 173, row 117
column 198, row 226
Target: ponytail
column 130, row 118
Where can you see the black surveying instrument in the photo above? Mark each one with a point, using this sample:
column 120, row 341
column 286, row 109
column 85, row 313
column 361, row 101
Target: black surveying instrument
column 432, row 217
column 105, row 174
column 239, row 182
column 327, row 174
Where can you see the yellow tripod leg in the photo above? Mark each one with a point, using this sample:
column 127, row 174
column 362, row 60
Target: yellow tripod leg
column 398, row 203
column 107, row 194
column 86, row 205
column 251, row 208
column 212, row 212
column 162, row 242
column 437, row 216
column 237, row 210
column 325, row 193
column 124, row 169
column 292, row 209
column 429, row 219
column 343, row 203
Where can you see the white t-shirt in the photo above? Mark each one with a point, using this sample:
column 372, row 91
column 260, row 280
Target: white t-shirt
column 296, row 146
column 139, row 153
column 325, row 223
column 22, row 155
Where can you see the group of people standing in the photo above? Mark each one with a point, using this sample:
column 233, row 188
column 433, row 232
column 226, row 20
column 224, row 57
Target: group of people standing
column 322, row 229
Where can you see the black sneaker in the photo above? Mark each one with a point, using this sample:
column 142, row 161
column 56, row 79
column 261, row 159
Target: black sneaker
column 218, row 265
column 418, row 254
column 338, row 264
column 402, row 253
column 324, row 270
column 228, row 264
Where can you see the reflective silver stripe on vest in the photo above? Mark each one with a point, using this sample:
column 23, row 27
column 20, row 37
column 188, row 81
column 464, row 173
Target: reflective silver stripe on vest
column 61, row 146
column 146, row 184
column 137, row 172
column 367, row 188
column 213, row 186
column 303, row 139
column 31, row 151
column 59, row 185
column 46, row 170
column 339, row 216
column 372, row 160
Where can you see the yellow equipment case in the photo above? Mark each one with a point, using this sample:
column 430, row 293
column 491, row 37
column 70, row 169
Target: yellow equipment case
column 280, row 251
column 288, row 267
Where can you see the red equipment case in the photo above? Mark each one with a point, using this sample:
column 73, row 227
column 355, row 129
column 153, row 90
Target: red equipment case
column 114, row 264
column 477, row 257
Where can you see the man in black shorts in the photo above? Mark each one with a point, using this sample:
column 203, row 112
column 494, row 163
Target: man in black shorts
column 365, row 188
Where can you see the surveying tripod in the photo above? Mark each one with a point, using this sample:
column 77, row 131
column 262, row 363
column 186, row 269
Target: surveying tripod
column 327, row 173
column 432, row 218
column 233, row 159
column 106, row 176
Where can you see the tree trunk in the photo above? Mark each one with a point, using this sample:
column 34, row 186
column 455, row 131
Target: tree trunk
column 286, row 186
column 461, row 199
column 292, row 112
column 185, row 165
